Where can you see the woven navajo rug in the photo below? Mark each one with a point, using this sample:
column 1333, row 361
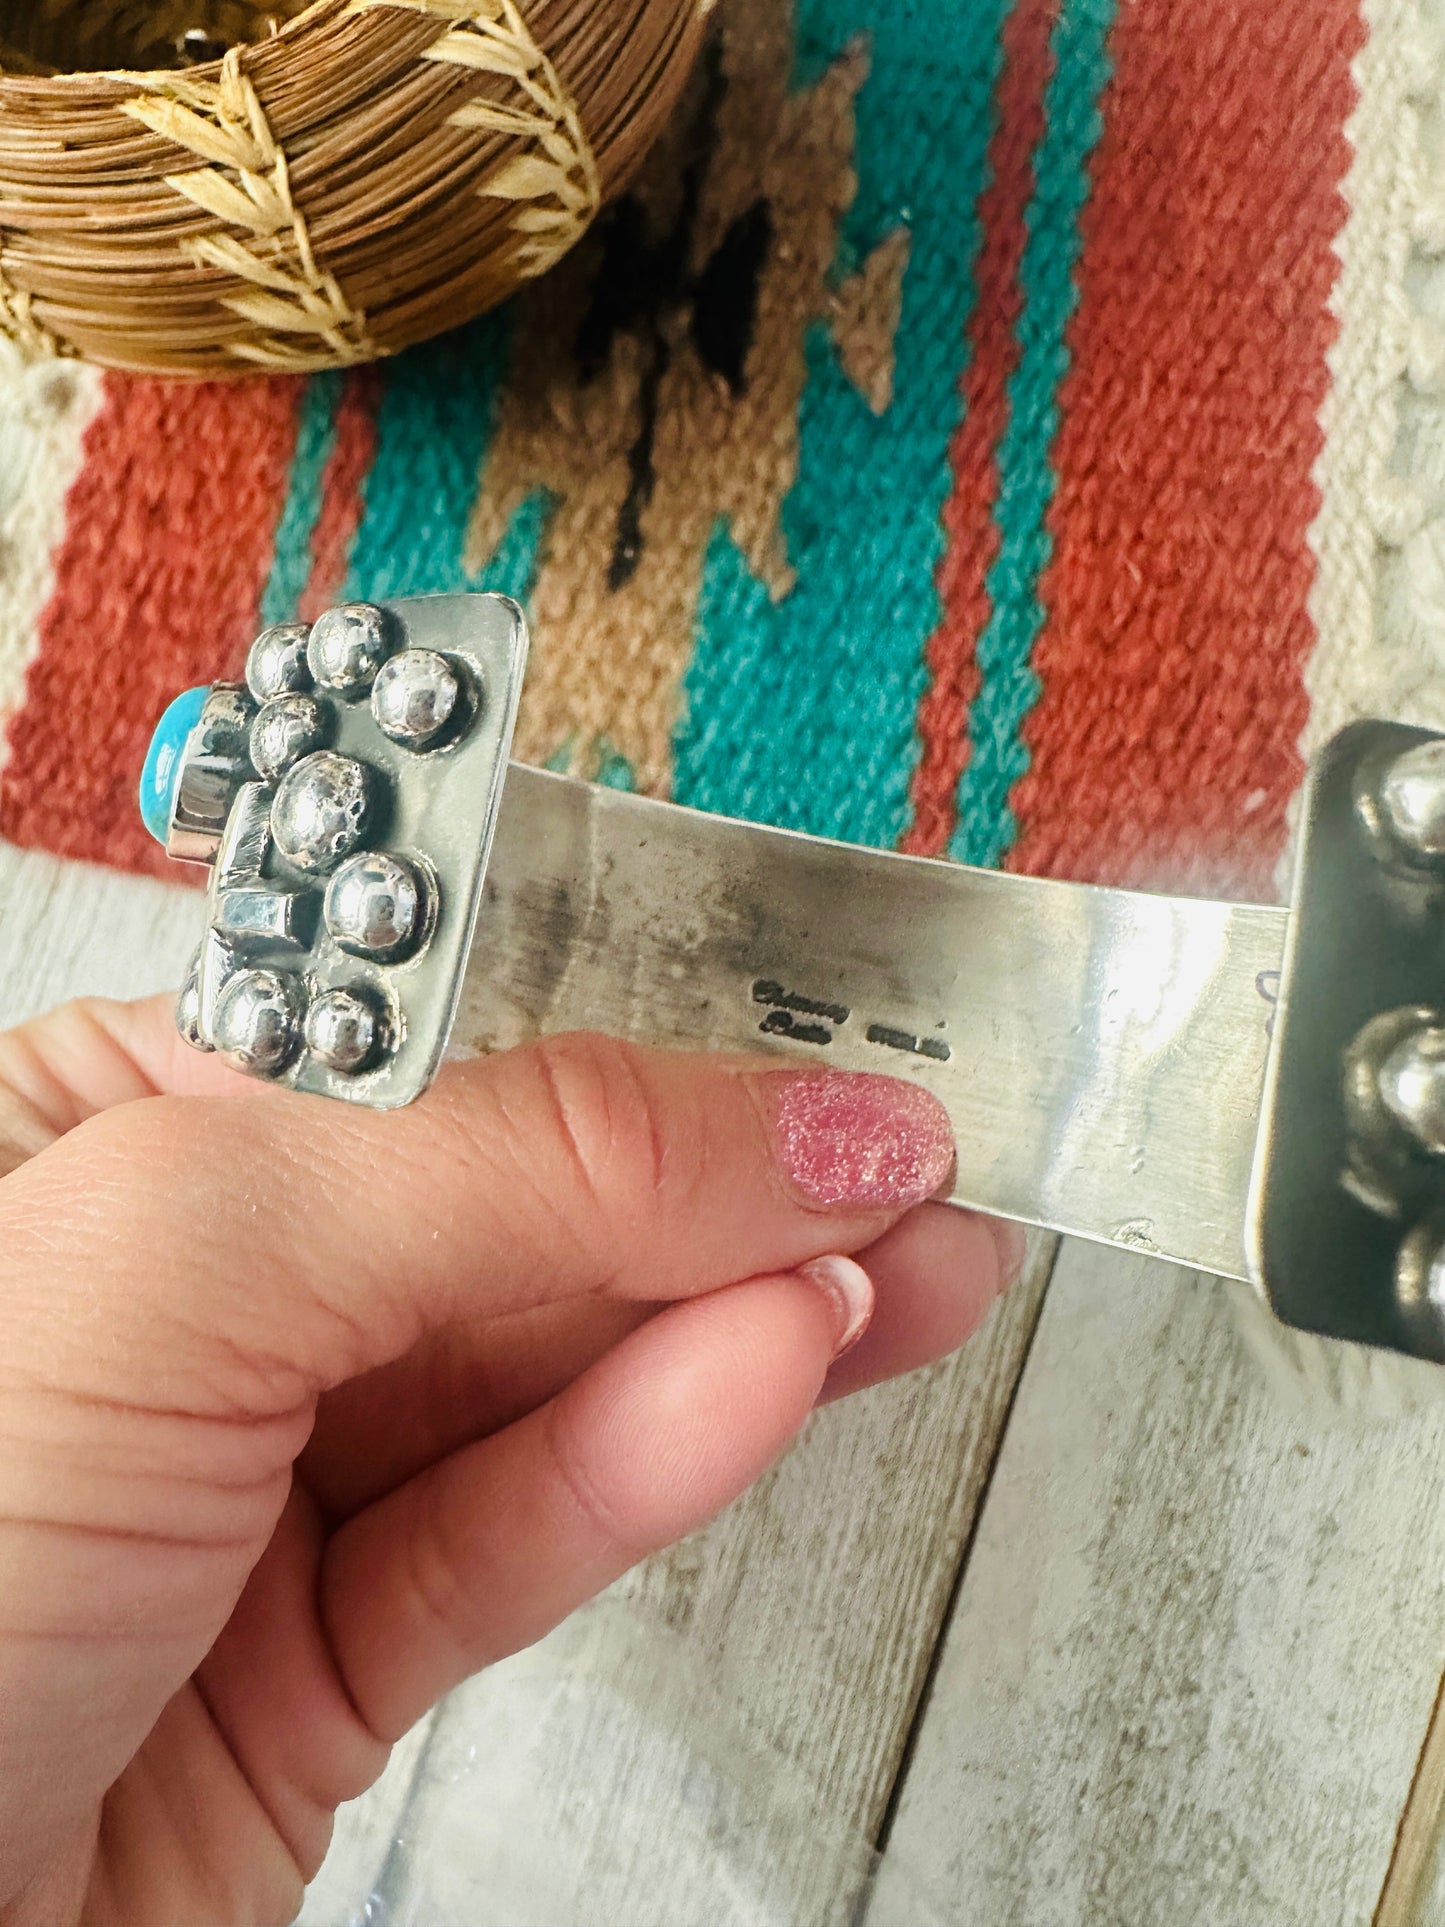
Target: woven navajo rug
column 1012, row 429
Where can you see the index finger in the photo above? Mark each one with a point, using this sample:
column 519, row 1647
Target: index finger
column 88, row 1056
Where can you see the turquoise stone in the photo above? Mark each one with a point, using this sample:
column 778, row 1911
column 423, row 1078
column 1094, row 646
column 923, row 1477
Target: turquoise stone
column 162, row 769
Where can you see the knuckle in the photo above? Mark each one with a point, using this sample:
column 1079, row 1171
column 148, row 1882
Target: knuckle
column 440, row 1573
column 36, row 1103
column 123, row 1240
column 607, row 1124
column 75, row 1217
column 619, row 1544
column 84, row 1020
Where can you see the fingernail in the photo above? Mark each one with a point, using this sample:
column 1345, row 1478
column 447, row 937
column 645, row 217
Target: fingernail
column 849, row 1290
column 1013, row 1246
column 860, row 1139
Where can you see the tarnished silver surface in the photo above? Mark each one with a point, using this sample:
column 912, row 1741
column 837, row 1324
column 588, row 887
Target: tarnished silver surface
column 415, row 697
column 276, row 662
column 1412, row 1086
column 1101, row 1053
column 1420, row 1277
column 1380, row 1133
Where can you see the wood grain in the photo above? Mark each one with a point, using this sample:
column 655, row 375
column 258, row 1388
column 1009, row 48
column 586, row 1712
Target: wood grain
column 1412, row 1895
column 721, row 1747
column 851, row 1547
column 68, row 930
column 1198, row 1645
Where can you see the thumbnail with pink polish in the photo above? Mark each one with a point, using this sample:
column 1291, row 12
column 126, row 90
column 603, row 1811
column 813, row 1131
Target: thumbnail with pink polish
column 860, row 1139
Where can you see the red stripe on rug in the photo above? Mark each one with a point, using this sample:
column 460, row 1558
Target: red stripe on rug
column 343, row 491
column 168, row 542
column 968, row 517
column 1164, row 742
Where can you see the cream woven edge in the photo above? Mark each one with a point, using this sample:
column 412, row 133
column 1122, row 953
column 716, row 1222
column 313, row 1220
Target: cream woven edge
column 1378, row 600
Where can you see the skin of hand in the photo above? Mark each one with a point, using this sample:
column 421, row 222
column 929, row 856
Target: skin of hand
column 307, row 1414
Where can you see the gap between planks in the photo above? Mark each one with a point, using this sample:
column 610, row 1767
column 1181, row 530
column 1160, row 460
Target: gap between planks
column 1198, row 1640
column 1414, row 1877
column 1042, row 1260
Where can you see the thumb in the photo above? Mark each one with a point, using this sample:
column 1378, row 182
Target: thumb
column 251, row 1254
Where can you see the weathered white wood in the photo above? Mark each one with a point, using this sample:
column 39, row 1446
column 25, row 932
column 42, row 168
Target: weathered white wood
column 823, row 1590
column 69, row 930
column 717, row 1744
column 1198, row 1644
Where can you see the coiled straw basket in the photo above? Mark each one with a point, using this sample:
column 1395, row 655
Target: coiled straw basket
column 337, row 180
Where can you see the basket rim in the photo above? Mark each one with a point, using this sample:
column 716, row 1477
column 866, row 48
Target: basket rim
column 70, row 80
column 204, row 219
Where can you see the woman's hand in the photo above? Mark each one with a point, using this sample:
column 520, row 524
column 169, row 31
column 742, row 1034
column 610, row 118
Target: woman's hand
column 306, row 1414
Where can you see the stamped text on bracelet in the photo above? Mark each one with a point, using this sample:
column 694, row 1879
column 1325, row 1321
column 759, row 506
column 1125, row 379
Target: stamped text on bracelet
column 812, row 1020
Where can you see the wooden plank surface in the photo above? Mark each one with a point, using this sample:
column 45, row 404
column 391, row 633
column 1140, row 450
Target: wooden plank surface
column 717, row 1744
column 68, row 930
column 776, row 1658
column 1198, row 1645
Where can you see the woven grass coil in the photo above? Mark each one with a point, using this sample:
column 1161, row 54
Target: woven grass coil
column 346, row 177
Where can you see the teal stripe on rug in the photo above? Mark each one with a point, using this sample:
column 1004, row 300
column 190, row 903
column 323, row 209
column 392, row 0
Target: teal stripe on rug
column 315, row 440
column 433, row 429
column 802, row 712
column 1009, row 687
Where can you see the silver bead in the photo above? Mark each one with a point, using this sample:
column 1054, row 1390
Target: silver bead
column 258, row 1020
column 415, row 697
column 322, row 810
column 188, row 1008
column 276, row 665
column 1411, row 1083
column 376, row 906
column 344, row 1030
column 347, row 647
column 285, row 730
column 1412, row 801
column 1420, row 1277
column 1374, row 1129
